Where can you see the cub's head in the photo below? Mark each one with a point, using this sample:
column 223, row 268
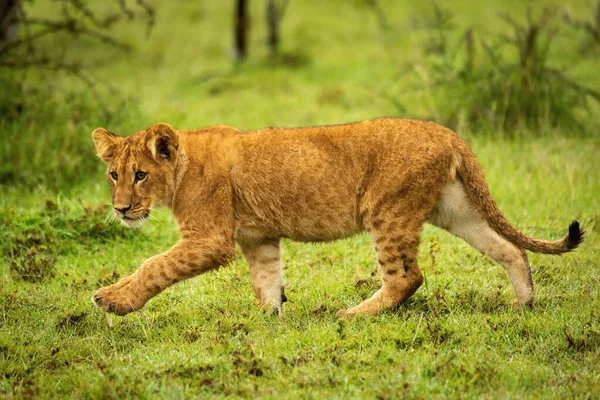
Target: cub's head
column 141, row 170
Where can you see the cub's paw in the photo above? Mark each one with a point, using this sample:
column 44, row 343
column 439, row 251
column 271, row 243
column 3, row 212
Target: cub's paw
column 271, row 301
column 344, row 314
column 520, row 306
column 119, row 299
column 351, row 313
column 274, row 310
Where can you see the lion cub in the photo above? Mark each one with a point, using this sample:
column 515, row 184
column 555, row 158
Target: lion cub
column 386, row 176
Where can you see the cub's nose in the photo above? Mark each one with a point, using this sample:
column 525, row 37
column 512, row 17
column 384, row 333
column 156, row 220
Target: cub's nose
column 122, row 209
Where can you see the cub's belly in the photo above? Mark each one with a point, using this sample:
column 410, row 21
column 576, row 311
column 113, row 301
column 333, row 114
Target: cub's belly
column 299, row 208
column 299, row 229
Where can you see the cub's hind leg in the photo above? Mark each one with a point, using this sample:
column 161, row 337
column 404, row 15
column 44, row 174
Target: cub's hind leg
column 266, row 273
column 396, row 243
column 456, row 214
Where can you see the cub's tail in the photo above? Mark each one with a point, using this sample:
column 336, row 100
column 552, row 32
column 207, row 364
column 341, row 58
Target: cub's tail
column 477, row 189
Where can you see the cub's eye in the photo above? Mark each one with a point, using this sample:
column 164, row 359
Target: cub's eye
column 140, row 175
column 114, row 175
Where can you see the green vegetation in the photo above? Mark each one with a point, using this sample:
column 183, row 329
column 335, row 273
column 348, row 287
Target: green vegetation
column 506, row 81
column 458, row 337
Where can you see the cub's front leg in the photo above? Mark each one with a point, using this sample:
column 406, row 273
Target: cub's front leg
column 188, row 258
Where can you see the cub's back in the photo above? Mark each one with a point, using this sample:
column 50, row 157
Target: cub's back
column 303, row 181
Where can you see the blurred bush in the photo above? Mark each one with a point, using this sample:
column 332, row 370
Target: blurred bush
column 44, row 120
column 503, row 83
column 46, row 130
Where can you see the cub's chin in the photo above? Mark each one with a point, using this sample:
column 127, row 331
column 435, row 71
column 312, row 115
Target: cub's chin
column 134, row 222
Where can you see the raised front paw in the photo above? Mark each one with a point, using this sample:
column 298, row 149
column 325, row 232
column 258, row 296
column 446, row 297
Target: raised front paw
column 120, row 298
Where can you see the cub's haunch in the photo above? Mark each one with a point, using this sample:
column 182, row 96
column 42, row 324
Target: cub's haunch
column 385, row 176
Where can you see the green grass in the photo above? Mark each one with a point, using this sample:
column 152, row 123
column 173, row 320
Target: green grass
column 458, row 337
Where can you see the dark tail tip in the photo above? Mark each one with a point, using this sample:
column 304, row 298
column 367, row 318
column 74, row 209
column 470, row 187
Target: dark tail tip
column 575, row 235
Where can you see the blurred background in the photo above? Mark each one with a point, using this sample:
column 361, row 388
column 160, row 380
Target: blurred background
column 495, row 69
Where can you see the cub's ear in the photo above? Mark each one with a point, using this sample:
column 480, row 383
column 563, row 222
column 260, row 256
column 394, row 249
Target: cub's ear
column 106, row 144
column 162, row 141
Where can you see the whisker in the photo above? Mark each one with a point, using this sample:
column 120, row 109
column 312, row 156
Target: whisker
column 110, row 218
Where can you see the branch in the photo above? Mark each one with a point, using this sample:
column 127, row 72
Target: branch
column 379, row 15
column 71, row 26
column 28, row 39
column 150, row 13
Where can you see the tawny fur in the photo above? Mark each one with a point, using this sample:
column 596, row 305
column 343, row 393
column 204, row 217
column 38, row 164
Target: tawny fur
column 385, row 176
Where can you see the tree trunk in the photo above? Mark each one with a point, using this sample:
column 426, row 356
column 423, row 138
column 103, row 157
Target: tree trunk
column 9, row 27
column 273, row 26
column 241, row 30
